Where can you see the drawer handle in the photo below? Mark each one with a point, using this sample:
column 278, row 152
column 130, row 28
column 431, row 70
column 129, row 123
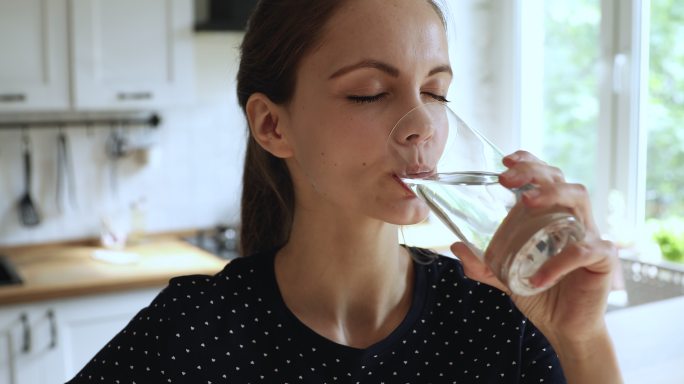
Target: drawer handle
column 53, row 328
column 125, row 96
column 26, row 333
column 12, row 98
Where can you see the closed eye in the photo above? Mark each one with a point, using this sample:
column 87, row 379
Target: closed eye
column 366, row 99
column 439, row 98
column 374, row 98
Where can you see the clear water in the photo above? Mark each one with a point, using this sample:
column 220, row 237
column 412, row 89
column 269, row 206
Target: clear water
column 474, row 205
column 471, row 204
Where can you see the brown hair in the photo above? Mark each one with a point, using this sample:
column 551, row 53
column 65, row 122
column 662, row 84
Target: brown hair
column 279, row 34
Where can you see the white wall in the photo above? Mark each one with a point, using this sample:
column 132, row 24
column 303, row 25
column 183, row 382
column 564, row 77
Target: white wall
column 195, row 185
column 483, row 55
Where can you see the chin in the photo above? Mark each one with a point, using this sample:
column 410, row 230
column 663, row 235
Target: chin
column 408, row 214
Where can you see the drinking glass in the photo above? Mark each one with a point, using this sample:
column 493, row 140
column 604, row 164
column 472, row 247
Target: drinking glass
column 455, row 171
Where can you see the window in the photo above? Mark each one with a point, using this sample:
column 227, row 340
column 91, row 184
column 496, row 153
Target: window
column 665, row 125
column 602, row 90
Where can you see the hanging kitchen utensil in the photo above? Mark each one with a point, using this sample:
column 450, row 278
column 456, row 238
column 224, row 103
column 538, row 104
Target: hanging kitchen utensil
column 28, row 211
column 111, row 150
column 116, row 149
column 65, row 172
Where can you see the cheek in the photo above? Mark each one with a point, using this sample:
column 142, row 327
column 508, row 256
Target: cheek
column 347, row 147
column 341, row 154
column 345, row 161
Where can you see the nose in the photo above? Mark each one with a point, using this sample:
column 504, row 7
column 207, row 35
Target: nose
column 416, row 127
column 418, row 139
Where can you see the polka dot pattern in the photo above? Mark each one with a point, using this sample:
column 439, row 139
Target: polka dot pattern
column 235, row 328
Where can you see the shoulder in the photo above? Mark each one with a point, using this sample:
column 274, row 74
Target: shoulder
column 206, row 304
column 193, row 317
column 236, row 273
column 449, row 285
column 196, row 296
column 440, row 270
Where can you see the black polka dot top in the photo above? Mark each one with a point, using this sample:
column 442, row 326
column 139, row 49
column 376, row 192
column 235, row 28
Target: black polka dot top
column 235, row 328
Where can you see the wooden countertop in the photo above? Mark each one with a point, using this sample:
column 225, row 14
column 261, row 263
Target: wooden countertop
column 69, row 270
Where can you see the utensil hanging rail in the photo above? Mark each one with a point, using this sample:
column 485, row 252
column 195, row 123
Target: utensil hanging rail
column 152, row 121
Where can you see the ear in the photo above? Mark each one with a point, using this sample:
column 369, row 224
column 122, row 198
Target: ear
column 266, row 121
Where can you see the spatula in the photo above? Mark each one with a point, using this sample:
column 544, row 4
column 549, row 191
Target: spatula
column 28, row 212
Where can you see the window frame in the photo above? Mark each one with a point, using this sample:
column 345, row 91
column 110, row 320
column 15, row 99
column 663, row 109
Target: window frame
column 621, row 145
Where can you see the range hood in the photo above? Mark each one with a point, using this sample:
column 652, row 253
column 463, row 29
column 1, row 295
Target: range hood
column 222, row 15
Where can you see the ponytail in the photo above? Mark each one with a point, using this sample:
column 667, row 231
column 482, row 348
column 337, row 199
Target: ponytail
column 267, row 205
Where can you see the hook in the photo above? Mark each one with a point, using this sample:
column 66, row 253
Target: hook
column 25, row 138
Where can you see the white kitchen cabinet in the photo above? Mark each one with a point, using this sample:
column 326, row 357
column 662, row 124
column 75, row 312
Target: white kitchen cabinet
column 131, row 54
column 50, row 342
column 87, row 324
column 95, row 55
column 30, row 350
column 34, row 72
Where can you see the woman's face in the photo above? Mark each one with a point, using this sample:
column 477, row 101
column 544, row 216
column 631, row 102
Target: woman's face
column 377, row 60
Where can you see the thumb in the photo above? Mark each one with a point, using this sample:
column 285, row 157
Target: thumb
column 475, row 268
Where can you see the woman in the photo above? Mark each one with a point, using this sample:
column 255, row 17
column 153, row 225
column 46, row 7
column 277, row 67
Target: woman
column 326, row 293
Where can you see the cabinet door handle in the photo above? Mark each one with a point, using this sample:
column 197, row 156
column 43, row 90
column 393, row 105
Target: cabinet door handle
column 125, row 96
column 53, row 328
column 12, row 98
column 26, row 333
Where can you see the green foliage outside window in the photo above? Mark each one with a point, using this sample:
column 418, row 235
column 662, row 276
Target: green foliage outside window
column 571, row 107
column 665, row 161
column 670, row 238
column 665, row 158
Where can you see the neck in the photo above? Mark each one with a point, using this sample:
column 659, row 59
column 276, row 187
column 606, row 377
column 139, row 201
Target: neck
column 351, row 282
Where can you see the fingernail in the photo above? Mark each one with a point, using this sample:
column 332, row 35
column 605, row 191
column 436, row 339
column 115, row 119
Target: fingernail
column 512, row 157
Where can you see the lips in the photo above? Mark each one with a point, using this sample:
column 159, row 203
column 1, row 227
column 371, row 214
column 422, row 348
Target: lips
column 403, row 185
column 420, row 175
column 415, row 174
column 412, row 172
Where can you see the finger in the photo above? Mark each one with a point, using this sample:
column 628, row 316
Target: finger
column 519, row 156
column 596, row 257
column 530, row 172
column 474, row 268
column 575, row 197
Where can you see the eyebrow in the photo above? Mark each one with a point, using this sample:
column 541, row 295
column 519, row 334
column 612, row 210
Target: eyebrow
column 384, row 67
column 442, row 68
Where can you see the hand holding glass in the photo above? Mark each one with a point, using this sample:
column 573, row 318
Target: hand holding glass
column 455, row 171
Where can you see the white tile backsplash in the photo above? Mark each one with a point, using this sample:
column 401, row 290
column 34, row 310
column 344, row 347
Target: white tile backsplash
column 196, row 182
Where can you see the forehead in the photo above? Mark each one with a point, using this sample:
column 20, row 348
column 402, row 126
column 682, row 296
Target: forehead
column 398, row 31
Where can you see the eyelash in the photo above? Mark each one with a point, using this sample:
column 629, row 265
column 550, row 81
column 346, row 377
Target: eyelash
column 366, row 99
column 439, row 98
column 378, row 97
